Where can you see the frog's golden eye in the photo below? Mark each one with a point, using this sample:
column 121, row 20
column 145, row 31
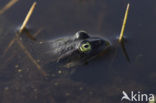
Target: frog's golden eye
column 85, row 47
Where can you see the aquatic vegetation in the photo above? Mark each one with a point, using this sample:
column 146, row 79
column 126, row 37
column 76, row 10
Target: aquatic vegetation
column 7, row 6
column 124, row 23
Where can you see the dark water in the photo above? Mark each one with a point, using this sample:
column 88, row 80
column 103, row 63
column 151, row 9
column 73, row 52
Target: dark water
column 101, row 81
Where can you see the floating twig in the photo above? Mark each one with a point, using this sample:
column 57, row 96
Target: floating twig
column 7, row 6
column 27, row 17
column 30, row 56
column 124, row 23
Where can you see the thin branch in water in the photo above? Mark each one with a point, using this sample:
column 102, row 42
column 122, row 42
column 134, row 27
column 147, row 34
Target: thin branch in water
column 38, row 32
column 30, row 56
column 9, row 46
column 7, row 6
column 28, row 34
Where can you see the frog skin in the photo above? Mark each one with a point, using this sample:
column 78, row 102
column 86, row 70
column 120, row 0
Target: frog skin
column 79, row 48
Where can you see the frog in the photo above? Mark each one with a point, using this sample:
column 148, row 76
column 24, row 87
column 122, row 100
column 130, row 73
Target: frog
column 78, row 49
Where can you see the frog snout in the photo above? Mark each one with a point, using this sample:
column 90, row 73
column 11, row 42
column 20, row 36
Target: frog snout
column 99, row 42
column 102, row 43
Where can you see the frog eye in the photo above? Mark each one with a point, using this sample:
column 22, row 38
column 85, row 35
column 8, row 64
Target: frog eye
column 85, row 47
column 82, row 35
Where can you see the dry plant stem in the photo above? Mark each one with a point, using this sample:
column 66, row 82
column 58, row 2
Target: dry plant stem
column 27, row 17
column 7, row 6
column 21, row 28
column 30, row 56
column 124, row 23
column 21, row 44
column 38, row 32
column 9, row 45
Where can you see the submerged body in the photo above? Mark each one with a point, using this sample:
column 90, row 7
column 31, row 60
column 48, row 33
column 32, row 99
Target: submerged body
column 78, row 49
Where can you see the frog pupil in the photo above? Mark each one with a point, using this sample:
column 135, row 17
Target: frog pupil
column 86, row 46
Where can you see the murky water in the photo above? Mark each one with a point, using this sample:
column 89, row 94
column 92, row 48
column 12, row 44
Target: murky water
column 102, row 80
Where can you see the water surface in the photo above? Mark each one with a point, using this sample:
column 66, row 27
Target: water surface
column 101, row 81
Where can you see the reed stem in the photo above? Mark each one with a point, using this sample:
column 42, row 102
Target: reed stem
column 27, row 17
column 124, row 23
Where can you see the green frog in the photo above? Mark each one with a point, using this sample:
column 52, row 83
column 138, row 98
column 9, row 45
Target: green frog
column 78, row 49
